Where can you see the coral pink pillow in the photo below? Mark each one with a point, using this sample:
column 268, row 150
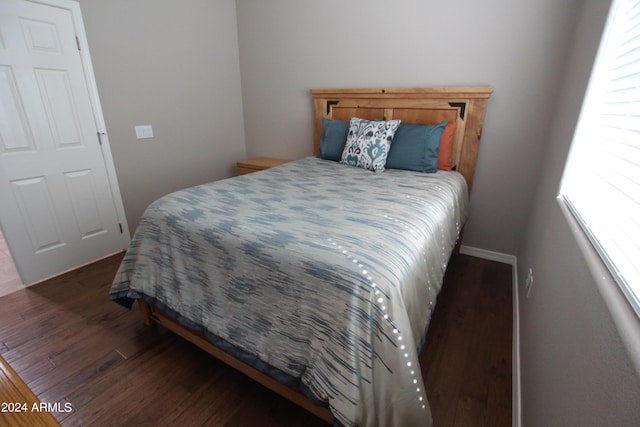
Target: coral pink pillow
column 446, row 146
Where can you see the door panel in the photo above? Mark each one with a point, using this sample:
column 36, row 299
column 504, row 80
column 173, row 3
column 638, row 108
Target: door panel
column 34, row 202
column 81, row 187
column 15, row 134
column 59, row 106
column 56, row 205
column 40, row 36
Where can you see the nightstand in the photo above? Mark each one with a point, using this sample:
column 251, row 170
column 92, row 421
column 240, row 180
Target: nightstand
column 258, row 164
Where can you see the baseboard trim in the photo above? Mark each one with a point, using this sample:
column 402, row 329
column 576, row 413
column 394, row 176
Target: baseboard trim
column 490, row 255
column 516, row 408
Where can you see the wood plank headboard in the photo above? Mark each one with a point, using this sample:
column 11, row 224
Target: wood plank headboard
column 466, row 105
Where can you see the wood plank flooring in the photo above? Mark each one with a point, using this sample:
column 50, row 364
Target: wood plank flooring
column 19, row 407
column 70, row 344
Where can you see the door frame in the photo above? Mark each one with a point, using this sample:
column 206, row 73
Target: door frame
column 89, row 77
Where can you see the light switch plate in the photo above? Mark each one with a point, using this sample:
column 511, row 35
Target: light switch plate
column 144, row 131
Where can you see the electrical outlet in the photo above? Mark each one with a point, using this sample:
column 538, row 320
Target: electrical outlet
column 529, row 283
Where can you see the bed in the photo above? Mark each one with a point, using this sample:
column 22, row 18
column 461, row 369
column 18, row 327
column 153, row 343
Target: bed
column 316, row 278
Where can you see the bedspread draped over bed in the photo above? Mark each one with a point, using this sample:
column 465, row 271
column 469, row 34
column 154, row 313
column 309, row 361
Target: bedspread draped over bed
column 325, row 272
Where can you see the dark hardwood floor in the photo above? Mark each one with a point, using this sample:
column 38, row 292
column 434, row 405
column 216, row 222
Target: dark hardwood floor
column 70, row 344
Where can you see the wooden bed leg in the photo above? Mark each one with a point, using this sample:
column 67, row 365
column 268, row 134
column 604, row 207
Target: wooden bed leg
column 145, row 311
column 456, row 249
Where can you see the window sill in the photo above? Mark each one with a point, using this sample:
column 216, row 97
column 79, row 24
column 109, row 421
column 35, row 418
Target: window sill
column 624, row 315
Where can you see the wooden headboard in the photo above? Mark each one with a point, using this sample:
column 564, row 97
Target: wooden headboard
column 466, row 105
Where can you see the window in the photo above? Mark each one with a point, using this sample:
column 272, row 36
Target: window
column 601, row 182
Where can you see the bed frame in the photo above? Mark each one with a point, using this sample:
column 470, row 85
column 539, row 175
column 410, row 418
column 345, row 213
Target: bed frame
column 466, row 105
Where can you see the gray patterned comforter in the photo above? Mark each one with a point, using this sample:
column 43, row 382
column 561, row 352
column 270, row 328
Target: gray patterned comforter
column 320, row 274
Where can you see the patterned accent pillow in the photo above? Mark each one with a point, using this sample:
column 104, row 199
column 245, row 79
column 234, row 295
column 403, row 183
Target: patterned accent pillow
column 368, row 143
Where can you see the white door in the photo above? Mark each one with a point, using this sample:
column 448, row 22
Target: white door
column 59, row 202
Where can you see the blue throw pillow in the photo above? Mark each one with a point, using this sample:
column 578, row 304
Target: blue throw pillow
column 416, row 147
column 334, row 138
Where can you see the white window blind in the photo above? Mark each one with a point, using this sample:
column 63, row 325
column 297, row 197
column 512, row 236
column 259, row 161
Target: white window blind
column 601, row 182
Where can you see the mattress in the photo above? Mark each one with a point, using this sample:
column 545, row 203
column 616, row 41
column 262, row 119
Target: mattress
column 317, row 273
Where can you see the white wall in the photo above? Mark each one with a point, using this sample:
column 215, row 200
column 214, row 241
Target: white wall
column 290, row 46
column 580, row 339
column 176, row 67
